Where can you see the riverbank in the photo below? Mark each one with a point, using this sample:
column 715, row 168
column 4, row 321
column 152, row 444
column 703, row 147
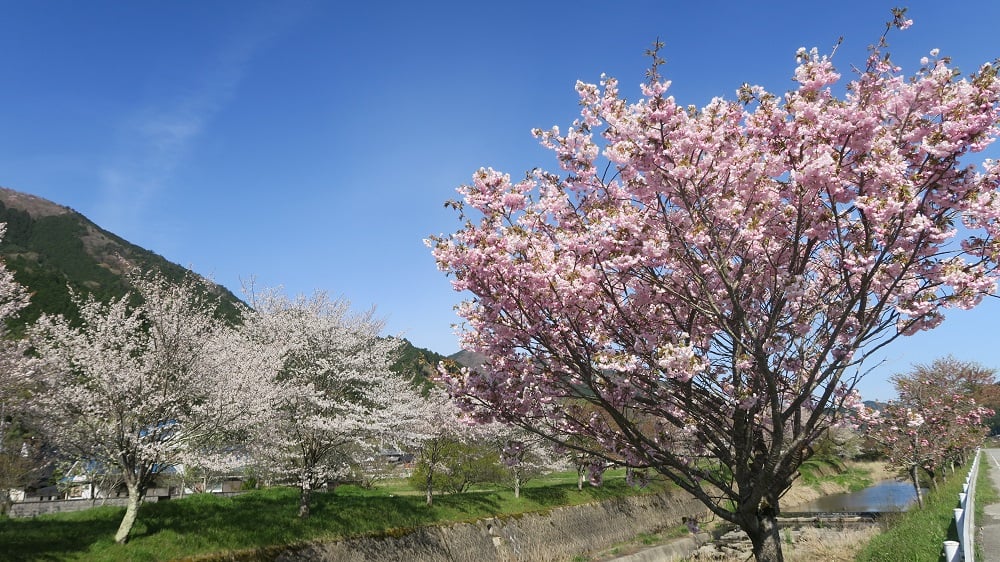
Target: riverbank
column 805, row 545
column 805, row 491
column 918, row 534
column 262, row 521
column 262, row 524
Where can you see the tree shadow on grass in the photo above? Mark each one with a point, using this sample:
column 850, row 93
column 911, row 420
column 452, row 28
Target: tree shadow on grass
column 261, row 519
column 231, row 522
column 547, row 495
column 47, row 538
column 258, row 521
column 465, row 506
column 269, row 517
column 350, row 515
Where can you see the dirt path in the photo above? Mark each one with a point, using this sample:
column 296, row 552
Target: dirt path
column 988, row 538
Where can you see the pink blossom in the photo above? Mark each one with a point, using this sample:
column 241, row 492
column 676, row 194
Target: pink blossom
column 721, row 284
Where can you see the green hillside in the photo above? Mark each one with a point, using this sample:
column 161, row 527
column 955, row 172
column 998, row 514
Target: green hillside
column 52, row 249
column 417, row 363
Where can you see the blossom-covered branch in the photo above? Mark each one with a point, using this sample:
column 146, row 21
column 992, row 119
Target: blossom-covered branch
column 695, row 290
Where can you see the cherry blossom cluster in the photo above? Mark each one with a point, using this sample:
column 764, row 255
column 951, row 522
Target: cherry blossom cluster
column 707, row 281
column 335, row 400
column 935, row 421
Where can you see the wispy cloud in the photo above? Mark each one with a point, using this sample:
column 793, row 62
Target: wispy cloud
column 155, row 139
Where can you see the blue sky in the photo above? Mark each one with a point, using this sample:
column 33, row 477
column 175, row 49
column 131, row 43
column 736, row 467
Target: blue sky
column 312, row 144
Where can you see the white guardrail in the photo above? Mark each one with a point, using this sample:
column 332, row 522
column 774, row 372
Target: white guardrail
column 964, row 549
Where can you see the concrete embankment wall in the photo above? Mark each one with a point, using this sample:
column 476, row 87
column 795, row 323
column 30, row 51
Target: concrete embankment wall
column 559, row 534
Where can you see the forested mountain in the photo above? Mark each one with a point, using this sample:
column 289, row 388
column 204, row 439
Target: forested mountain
column 418, row 363
column 52, row 249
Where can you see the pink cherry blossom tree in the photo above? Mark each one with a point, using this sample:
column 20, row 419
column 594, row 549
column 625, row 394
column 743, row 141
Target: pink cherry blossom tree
column 948, row 376
column 338, row 401
column 140, row 382
column 718, row 275
column 947, row 393
column 935, row 421
column 904, row 438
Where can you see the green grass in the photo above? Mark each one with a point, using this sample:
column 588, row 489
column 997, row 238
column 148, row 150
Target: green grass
column 917, row 535
column 817, row 470
column 204, row 524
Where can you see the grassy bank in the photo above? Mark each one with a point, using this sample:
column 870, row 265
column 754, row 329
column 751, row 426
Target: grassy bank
column 203, row 523
column 917, row 535
column 851, row 477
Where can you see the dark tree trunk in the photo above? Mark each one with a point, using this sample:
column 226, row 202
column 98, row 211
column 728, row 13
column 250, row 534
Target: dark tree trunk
column 764, row 535
column 5, row 502
column 759, row 519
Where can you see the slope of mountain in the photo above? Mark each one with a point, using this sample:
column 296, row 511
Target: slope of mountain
column 469, row 359
column 417, row 364
column 52, row 249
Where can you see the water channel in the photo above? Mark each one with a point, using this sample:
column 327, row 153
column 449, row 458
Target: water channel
column 888, row 495
column 882, row 497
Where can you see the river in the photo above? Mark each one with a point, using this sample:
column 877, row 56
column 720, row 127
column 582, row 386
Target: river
column 888, row 495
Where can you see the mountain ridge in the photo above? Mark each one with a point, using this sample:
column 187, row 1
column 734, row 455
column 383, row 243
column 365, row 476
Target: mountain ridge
column 51, row 249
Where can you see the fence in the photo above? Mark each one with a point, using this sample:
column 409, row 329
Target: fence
column 964, row 548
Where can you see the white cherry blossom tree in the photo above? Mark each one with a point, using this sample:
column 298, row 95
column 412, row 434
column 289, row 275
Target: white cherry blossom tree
column 15, row 383
column 443, row 425
column 525, row 455
column 338, row 398
column 142, row 381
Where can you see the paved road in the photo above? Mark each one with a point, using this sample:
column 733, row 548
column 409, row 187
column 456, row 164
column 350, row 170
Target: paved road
column 988, row 536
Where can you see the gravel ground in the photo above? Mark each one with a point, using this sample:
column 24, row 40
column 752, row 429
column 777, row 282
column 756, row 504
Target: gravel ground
column 809, row 545
column 806, row 545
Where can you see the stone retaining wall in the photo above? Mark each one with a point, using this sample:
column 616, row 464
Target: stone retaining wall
column 559, row 534
column 35, row 507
